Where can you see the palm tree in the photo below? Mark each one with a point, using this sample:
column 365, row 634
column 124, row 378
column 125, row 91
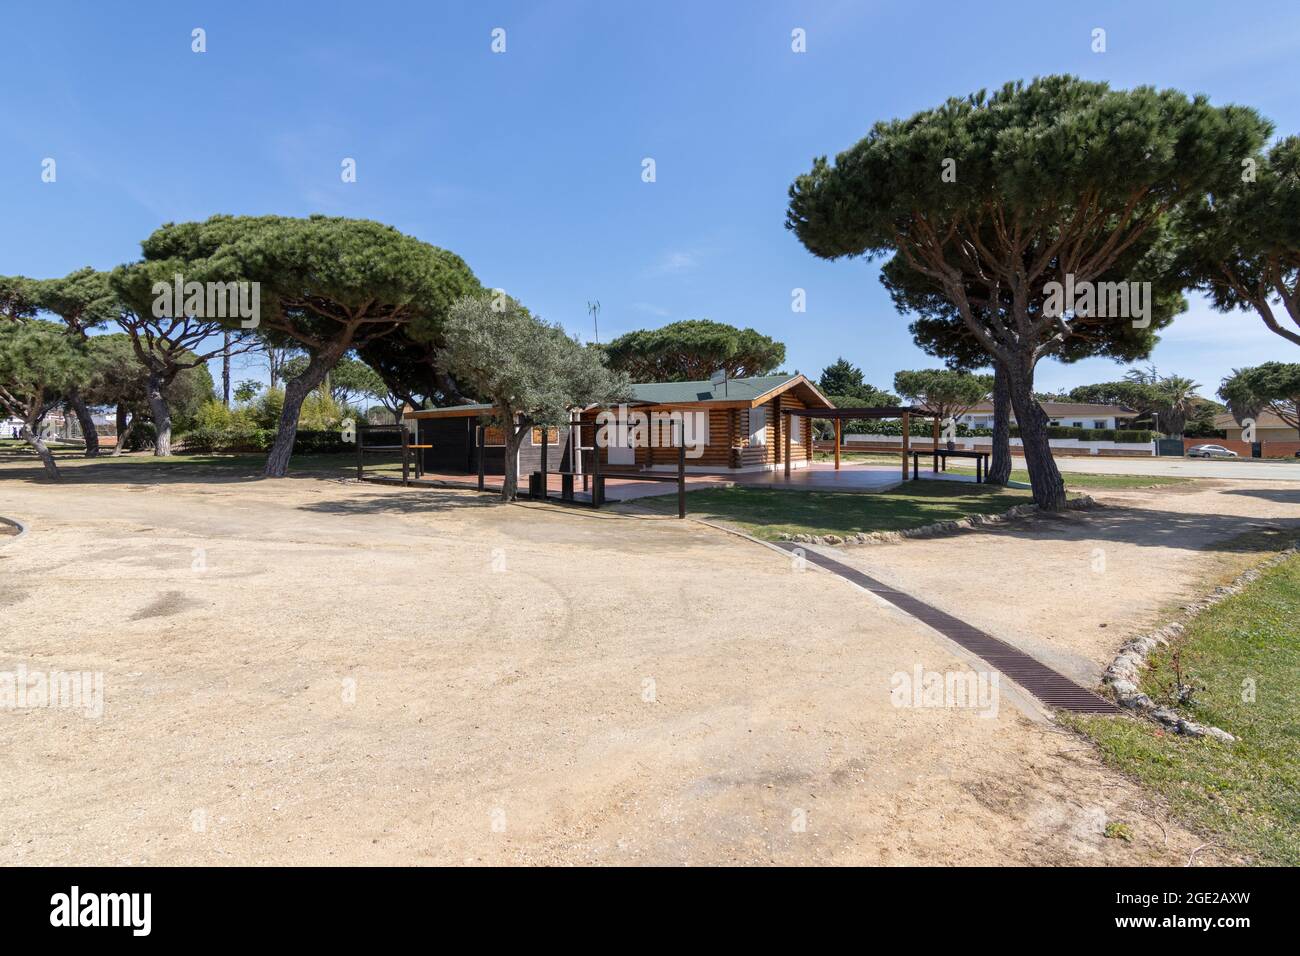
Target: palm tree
column 1174, row 398
column 1179, row 402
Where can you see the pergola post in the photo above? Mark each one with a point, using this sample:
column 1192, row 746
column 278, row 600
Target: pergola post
column 907, row 429
column 786, row 437
column 406, row 455
column 482, row 444
column 935, row 431
column 837, row 445
column 544, row 478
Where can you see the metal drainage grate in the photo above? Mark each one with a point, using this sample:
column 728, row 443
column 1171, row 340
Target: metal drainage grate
column 1053, row 689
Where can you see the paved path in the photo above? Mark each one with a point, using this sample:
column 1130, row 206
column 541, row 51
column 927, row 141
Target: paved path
column 1245, row 470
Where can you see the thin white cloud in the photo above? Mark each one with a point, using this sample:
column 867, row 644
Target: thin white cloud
column 675, row 262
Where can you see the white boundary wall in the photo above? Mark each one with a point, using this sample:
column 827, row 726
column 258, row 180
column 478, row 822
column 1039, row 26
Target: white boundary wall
column 982, row 442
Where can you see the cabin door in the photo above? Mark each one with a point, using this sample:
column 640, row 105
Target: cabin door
column 621, row 451
column 623, row 454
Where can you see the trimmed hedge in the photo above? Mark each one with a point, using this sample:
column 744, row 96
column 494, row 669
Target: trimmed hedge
column 319, row 443
column 306, row 442
column 1095, row 434
column 922, row 429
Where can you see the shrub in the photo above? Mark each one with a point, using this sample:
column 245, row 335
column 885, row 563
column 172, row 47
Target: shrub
column 920, row 428
column 266, row 410
column 218, row 428
column 319, row 443
column 1093, row 434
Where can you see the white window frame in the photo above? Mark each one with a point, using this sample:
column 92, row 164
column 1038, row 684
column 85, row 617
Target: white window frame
column 758, row 425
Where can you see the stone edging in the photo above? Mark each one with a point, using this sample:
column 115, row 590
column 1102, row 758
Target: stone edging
column 19, row 529
column 1082, row 503
column 1125, row 671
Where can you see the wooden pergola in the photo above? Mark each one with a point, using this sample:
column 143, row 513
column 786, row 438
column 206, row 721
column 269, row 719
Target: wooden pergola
column 839, row 415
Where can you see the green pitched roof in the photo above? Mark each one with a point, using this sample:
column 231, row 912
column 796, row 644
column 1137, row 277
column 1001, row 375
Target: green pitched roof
column 737, row 389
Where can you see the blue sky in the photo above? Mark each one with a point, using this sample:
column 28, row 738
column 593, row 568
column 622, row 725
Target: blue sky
column 528, row 163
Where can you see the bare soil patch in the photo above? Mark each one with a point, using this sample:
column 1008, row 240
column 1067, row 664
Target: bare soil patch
column 312, row 671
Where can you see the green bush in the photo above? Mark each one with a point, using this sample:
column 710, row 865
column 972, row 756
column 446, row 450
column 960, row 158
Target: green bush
column 920, row 428
column 142, row 436
column 218, row 428
column 320, row 443
column 1093, row 434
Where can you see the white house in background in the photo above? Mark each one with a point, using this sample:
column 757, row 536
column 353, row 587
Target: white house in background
column 1066, row 414
column 49, row 427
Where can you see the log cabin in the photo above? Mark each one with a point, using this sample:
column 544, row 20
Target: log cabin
column 739, row 430
column 740, row 424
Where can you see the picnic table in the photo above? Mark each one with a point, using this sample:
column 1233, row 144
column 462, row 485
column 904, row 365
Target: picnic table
column 941, row 456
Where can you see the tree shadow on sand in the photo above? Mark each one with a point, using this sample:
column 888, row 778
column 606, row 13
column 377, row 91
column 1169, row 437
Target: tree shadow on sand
column 411, row 501
column 214, row 469
column 1282, row 495
column 1146, row 527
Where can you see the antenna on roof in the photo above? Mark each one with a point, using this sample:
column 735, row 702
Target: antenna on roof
column 719, row 378
column 594, row 309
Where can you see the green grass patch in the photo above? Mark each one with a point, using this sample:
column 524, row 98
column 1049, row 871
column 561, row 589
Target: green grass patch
column 770, row 512
column 1248, row 794
column 1074, row 479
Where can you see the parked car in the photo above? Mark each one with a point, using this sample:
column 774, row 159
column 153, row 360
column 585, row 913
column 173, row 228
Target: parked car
column 1210, row 451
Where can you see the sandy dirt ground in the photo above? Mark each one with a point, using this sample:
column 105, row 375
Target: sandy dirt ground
column 1070, row 589
column 313, row 671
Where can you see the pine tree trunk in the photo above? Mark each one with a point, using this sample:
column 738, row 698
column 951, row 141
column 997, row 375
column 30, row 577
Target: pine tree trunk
column 1000, row 464
column 47, row 459
column 225, row 370
column 86, row 421
column 277, row 461
column 1048, row 488
column 162, row 416
column 124, row 430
